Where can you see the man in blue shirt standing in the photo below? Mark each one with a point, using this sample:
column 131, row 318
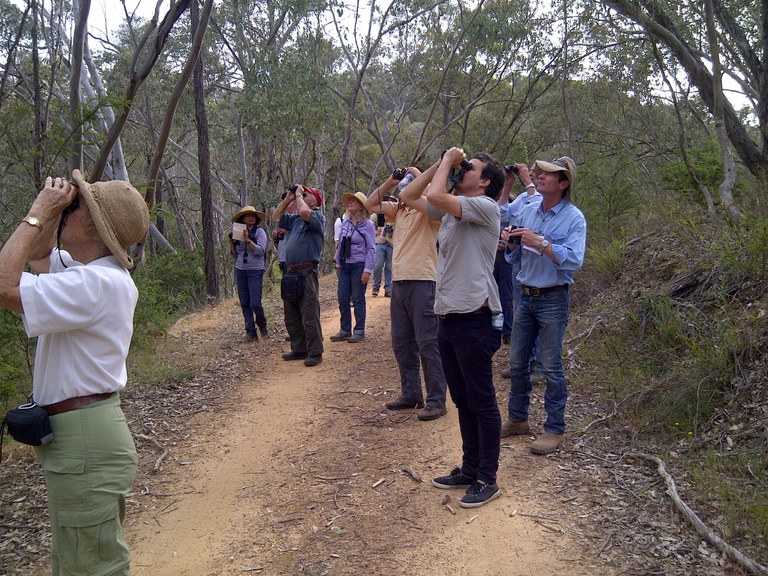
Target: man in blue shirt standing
column 303, row 247
column 549, row 242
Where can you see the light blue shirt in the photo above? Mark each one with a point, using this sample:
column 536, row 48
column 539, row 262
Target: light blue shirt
column 565, row 228
column 510, row 210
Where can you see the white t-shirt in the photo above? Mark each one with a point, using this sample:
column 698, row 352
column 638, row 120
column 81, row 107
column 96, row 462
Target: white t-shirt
column 83, row 315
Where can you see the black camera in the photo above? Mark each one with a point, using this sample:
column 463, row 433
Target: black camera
column 399, row 173
column 380, row 219
column 293, row 188
column 457, row 176
column 513, row 239
column 511, row 169
column 388, row 231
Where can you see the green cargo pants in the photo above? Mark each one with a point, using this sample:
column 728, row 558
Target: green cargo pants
column 89, row 469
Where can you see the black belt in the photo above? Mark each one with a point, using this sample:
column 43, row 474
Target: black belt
column 481, row 310
column 301, row 266
column 531, row 291
column 74, row 403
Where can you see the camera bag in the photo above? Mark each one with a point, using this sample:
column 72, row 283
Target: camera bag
column 28, row 424
column 292, row 286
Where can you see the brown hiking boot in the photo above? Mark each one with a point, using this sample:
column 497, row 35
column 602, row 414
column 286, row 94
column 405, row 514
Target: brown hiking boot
column 510, row 428
column 547, row 443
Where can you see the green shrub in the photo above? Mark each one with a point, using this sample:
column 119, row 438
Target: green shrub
column 16, row 353
column 170, row 285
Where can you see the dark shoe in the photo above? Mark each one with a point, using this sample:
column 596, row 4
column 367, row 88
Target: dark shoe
column 538, row 378
column 505, row 339
column 432, row 412
column 387, row 294
column 478, row 494
column 510, row 428
column 294, row 356
column 547, row 443
column 264, row 332
column 252, row 337
column 404, row 404
column 340, row 335
column 313, row 360
column 456, row 479
column 375, row 292
column 355, row 338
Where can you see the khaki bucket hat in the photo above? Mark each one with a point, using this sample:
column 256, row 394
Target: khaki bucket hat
column 119, row 212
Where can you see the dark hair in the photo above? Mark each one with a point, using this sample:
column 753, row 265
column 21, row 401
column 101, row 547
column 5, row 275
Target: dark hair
column 494, row 172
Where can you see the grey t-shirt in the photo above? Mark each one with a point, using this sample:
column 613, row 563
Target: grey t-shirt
column 465, row 260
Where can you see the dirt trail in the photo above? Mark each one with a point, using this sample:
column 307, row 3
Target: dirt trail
column 302, row 472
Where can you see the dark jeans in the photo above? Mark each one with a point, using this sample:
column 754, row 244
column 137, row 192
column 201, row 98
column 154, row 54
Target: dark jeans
column 414, row 338
column 502, row 273
column 544, row 317
column 249, row 284
column 302, row 318
column 467, row 345
column 349, row 285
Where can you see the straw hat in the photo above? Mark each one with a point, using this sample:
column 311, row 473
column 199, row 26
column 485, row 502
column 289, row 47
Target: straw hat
column 360, row 197
column 563, row 164
column 119, row 213
column 249, row 210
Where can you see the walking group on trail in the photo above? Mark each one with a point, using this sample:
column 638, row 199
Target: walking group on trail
column 465, row 268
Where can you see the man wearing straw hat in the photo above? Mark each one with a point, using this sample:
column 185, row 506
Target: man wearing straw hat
column 549, row 241
column 80, row 305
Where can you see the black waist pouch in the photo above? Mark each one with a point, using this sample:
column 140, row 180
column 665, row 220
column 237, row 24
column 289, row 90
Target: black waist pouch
column 29, row 424
column 292, row 286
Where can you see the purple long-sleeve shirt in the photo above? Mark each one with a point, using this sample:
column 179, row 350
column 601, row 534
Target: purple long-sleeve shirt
column 363, row 238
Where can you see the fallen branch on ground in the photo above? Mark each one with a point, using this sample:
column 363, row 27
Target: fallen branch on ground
column 733, row 553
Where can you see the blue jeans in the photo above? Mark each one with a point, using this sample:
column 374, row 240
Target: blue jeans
column 383, row 262
column 467, row 344
column 350, row 286
column 249, row 292
column 544, row 317
column 502, row 273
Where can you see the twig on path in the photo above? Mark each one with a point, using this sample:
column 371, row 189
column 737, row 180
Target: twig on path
column 412, row 473
column 733, row 553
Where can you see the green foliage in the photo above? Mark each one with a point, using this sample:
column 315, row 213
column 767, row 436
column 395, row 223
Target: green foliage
column 607, row 257
column 170, row 284
column 16, row 352
column 744, row 248
column 706, row 162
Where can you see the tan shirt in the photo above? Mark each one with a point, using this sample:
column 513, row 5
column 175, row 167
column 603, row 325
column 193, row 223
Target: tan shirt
column 414, row 256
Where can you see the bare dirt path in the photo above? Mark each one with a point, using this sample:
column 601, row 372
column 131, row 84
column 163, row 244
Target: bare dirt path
column 301, row 470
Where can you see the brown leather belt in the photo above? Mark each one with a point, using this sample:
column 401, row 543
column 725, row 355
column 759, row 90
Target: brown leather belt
column 74, row 403
column 531, row 291
column 301, row 266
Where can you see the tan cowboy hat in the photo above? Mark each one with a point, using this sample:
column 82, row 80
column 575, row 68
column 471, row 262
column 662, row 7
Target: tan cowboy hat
column 249, row 210
column 563, row 164
column 360, row 197
column 119, row 212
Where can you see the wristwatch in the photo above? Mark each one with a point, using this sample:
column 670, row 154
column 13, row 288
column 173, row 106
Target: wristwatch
column 544, row 244
column 34, row 221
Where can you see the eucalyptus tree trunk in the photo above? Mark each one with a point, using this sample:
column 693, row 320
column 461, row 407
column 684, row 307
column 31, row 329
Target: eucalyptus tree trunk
column 204, row 167
column 81, row 9
column 729, row 179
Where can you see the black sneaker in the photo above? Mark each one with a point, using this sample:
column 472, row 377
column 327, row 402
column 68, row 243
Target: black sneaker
column 456, row 479
column 478, row 494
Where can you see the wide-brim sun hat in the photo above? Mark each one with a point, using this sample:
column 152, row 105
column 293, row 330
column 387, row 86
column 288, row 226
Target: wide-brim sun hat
column 119, row 213
column 245, row 210
column 359, row 196
column 562, row 164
